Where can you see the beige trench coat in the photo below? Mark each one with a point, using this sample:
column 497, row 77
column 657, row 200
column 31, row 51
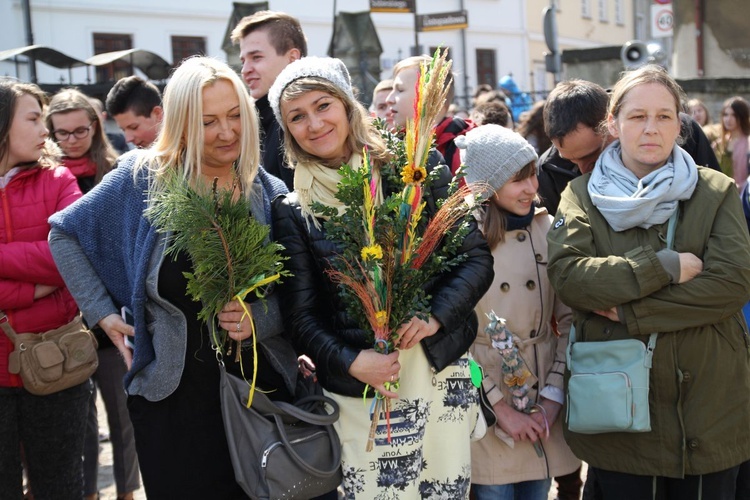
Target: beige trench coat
column 523, row 296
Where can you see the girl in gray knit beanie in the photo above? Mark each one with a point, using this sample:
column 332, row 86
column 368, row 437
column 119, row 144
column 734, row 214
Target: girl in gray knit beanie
column 501, row 165
column 527, row 406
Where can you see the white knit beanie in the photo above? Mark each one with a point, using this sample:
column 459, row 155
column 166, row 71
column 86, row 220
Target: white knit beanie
column 493, row 154
column 327, row 68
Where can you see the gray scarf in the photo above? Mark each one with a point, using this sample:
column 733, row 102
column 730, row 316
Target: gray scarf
column 626, row 201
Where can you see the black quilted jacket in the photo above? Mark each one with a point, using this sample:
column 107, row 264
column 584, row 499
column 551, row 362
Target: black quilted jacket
column 316, row 318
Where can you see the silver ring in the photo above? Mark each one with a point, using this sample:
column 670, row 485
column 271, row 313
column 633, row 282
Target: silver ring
column 239, row 326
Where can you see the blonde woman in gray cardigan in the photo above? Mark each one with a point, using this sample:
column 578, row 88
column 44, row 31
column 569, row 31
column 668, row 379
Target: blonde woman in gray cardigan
column 524, row 360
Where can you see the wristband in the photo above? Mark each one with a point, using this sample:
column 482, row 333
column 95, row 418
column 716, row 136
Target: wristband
column 537, row 408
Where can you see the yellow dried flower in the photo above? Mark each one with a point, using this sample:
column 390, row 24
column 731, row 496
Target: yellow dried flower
column 381, row 317
column 372, row 252
column 410, row 174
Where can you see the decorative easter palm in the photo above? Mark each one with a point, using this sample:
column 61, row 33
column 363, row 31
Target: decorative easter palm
column 229, row 250
column 390, row 250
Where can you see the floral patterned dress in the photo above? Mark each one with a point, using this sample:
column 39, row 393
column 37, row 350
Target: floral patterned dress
column 429, row 454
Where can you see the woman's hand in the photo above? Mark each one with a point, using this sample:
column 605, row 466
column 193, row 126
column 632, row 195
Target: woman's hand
column 552, row 411
column 410, row 333
column 611, row 314
column 233, row 319
column 305, row 366
column 516, row 424
column 375, row 369
column 690, row 266
column 41, row 291
column 116, row 329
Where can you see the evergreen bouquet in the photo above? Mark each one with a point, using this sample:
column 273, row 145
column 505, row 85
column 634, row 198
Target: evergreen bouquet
column 229, row 250
column 391, row 250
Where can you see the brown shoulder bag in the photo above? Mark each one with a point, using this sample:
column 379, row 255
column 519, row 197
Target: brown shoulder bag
column 54, row 360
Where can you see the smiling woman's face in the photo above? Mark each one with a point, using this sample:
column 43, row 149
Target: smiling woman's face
column 319, row 123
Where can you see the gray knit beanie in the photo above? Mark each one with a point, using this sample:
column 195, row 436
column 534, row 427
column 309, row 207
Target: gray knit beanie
column 327, row 68
column 493, row 154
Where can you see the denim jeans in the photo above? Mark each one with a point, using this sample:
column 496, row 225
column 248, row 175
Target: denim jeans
column 526, row 490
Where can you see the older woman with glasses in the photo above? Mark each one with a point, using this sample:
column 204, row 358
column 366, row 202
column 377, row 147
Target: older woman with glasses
column 74, row 124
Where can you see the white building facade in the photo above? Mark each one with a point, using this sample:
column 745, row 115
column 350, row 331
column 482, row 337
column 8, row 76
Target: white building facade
column 503, row 36
column 494, row 44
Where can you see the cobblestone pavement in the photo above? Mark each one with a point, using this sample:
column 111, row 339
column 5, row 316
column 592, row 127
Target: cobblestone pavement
column 107, row 489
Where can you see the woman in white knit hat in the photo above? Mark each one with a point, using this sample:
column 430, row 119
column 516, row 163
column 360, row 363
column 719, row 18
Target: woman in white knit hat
column 523, row 360
column 428, row 454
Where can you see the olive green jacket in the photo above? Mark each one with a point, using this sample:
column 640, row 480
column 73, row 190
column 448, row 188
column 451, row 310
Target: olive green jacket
column 700, row 381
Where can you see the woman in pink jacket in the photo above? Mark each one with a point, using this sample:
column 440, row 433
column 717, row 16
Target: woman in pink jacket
column 33, row 297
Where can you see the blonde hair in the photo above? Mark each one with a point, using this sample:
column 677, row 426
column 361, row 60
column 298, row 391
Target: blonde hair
column 693, row 103
column 101, row 151
column 416, row 62
column 361, row 129
column 651, row 73
column 179, row 145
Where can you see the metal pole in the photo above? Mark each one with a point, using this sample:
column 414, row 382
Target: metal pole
column 26, row 7
column 467, row 103
column 333, row 35
column 416, row 36
column 558, row 64
column 699, row 38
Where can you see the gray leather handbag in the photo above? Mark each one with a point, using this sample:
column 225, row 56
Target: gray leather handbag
column 279, row 449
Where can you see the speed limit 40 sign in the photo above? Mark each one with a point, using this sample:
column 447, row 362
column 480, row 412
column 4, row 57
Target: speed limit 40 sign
column 662, row 20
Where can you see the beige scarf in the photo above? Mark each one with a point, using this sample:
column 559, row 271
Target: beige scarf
column 314, row 182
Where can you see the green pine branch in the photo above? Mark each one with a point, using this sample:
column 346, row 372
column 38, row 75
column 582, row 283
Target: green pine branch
column 229, row 249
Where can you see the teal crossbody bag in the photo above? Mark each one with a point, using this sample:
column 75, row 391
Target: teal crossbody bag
column 608, row 386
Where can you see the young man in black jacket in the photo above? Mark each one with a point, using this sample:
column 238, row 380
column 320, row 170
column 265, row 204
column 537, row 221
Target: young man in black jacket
column 268, row 42
column 572, row 114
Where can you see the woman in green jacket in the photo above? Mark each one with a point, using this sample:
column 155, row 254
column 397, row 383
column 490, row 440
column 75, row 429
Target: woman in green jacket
column 608, row 261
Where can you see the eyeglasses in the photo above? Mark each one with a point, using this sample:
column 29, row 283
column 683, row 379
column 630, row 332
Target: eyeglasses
column 79, row 133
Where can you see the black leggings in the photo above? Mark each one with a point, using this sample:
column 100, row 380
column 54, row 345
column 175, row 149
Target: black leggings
column 621, row 486
column 51, row 431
